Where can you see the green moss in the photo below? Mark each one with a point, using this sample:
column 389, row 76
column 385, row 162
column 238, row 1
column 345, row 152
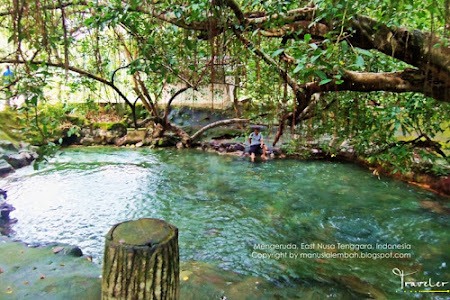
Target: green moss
column 34, row 273
column 76, row 120
column 10, row 128
column 109, row 125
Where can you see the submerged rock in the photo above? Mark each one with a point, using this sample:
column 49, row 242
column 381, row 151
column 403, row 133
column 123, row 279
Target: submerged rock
column 434, row 206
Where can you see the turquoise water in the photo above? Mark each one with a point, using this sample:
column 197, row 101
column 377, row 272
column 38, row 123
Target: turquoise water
column 224, row 206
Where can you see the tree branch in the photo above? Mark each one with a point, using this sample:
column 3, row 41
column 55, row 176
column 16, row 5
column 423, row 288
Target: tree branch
column 409, row 80
column 196, row 135
column 167, row 111
column 73, row 69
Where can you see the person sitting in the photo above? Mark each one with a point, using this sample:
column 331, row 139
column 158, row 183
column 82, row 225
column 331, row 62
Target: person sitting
column 257, row 145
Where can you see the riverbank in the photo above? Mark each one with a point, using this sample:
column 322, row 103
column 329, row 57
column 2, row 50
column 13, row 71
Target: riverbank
column 47, row 272
column 223, row 140
column 54, row 272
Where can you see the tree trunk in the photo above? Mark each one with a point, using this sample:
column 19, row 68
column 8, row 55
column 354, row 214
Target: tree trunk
column 141, row 261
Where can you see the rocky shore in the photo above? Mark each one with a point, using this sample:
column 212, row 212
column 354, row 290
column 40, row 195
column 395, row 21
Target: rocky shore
column 15, row 156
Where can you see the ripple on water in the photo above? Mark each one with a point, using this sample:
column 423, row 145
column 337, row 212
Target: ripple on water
column 223, row 206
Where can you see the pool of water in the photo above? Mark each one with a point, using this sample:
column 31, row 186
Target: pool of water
column 226, row 207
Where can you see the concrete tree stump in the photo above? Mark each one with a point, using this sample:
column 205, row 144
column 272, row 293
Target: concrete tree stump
column 141, row 261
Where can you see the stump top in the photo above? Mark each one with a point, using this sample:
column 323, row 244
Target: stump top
column 142, row 232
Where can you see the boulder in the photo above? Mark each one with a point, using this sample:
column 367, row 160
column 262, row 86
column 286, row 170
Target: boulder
column 74, row 251
column 275, row 151
column 87, row 141
column 21, row 159
column 120, row 141
column 5, row 168
column 236, row 147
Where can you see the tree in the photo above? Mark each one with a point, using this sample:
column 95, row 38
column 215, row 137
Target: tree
column 324, row 46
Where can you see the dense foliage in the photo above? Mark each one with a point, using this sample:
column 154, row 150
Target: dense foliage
column 304, row 64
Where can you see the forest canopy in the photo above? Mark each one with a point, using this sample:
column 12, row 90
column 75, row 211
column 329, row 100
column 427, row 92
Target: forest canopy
column 363, row 72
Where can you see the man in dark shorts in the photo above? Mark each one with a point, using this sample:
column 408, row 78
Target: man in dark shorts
column 256, row 145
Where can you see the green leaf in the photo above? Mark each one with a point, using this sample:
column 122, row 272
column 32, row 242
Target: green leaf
column 314, row 58
column 307, row 38
column 314, row 46
column 321, row 74
column 359, row 61
column 325, row 81
column 298, row 68
column 344, row 45
column 364, row 52
column 276, row 53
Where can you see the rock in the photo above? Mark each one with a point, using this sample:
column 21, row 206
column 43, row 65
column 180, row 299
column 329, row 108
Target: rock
column 5, row 210
column 8, row 146
column 87, row 141
column 58, row 249
column 120, row 141
column 139, row 145
column 180, row 145
column 134, row 136
column 66, row 277
column 235, row 147
column 75, row 251
column 434, row 206
column 21, row 159
column 276, row 151
column 3, row 194
column 239, row 147
column 118, row 129
column 214, row 144
column 5, row 168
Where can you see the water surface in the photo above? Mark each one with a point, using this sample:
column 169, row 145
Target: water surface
column 224, row 206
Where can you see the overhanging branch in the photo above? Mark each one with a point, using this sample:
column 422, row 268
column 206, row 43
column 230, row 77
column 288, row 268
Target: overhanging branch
column 196, row 135
column 73, row 69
